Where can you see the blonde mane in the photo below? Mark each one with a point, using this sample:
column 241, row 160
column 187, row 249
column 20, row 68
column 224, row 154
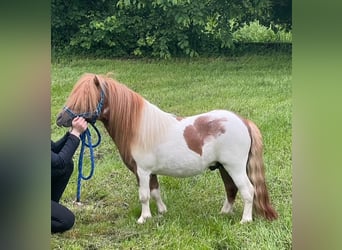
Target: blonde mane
column 84, row 95
column 130, row 120
column 153, row 127
column 123, row 114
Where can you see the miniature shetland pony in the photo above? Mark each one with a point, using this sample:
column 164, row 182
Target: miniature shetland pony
column 152, row 142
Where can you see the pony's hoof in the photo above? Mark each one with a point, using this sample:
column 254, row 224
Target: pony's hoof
column 244, row 221
column 227, row 211
column 162, row 209
column 227, row 208
column 142, row 219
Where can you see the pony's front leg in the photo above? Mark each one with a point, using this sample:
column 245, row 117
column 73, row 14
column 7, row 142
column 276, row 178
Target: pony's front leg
column 144, row 194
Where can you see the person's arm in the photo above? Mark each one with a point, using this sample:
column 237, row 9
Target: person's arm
column 57, row 146
column 59, row 160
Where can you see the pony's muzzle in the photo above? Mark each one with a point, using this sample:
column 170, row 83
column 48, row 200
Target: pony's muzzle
column 63, row 120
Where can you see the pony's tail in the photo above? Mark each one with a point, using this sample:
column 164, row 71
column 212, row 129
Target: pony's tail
column 256, row 174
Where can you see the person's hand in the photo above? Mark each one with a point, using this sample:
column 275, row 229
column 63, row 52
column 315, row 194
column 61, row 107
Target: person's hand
column 78, row 126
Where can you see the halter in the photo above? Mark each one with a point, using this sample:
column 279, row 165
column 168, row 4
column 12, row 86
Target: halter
column 93, row 115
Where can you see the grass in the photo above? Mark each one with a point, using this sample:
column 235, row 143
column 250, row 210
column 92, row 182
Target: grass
column 255, row 86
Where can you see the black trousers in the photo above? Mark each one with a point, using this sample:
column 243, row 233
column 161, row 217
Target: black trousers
column 62, row 218
column 59, row 183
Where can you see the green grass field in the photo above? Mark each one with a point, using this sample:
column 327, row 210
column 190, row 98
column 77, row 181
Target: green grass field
column 257, row 87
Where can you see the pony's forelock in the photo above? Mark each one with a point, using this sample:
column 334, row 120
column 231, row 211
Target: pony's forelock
column 84, row 95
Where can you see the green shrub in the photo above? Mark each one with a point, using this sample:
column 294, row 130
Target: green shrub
column 258, row 33
column 156, row 28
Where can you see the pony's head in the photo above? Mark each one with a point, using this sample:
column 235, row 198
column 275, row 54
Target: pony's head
column 86, row 100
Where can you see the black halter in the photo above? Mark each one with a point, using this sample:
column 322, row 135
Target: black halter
column 92, row 116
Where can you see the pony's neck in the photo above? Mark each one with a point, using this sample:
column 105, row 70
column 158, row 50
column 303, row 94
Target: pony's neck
column 154, row 124
column 132, row 121
column 121, row 116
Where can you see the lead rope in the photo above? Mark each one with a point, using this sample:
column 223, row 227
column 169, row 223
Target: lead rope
column 86, row 136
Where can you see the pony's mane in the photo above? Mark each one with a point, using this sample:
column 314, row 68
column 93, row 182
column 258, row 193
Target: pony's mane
column 124, row 111
column 84, row 95
column 132, row 121
column 153, row 126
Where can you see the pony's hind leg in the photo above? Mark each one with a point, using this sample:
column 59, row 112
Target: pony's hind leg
column 231, row 191
column 239, row 176
column 155, row 193
column 144, row 194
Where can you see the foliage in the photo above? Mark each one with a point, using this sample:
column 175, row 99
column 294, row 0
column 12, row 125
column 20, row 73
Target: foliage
column 157, row 28
column 281, row 13
column 255, row 32
column 257, row 87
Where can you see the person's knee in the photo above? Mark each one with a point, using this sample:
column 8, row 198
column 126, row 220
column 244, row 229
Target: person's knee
column 62, row 219
column 70, row 221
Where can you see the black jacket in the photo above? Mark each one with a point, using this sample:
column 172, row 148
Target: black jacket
column 62, row 152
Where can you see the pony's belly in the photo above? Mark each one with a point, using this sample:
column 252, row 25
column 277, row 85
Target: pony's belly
column 179, row 164
column 178, row 169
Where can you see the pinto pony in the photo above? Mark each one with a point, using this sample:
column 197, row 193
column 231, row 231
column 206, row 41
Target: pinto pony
column 152, row 142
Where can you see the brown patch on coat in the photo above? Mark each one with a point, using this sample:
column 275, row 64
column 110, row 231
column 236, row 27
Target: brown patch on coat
column 179, row 118
column 203, row 127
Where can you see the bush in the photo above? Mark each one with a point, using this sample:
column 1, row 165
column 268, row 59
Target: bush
column 156, row 28
column 255, row 32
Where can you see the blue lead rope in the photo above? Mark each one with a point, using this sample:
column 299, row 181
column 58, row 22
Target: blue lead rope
column 86, row 142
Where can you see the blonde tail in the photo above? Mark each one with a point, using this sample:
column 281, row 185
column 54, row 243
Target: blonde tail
column 256, row 174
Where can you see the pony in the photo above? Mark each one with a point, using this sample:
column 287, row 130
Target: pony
column 153, row 142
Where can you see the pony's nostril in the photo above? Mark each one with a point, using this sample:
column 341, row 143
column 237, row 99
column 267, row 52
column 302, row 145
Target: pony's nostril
column 59, row 120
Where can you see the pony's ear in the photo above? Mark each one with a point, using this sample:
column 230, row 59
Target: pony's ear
column 96, row 80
